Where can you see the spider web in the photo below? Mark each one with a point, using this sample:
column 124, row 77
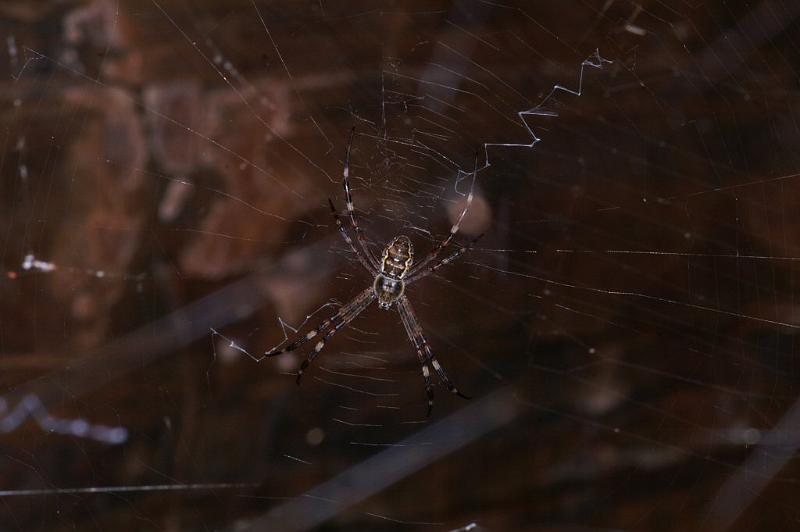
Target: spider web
column 625, row 326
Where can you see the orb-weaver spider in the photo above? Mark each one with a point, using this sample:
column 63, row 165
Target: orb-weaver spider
column 393, row 273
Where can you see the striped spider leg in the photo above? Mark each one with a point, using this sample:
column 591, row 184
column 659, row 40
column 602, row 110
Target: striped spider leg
column 366, row 260
column 347, row 313
column 366, row 256
column 424, row 351
column 329, row 327
column 453, row 230
column 423, row 273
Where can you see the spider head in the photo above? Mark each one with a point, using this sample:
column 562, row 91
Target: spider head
column 388, row 290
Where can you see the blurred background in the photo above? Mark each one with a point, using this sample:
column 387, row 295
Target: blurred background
column 626, row 326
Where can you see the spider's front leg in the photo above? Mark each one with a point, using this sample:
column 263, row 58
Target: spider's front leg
column 424, row 351
column 333, row 324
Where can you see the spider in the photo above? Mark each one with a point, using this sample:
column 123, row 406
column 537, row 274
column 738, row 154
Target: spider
column 392, row 273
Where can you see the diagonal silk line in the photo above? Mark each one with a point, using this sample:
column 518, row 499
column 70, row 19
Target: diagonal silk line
column 743, row 487
column 164, row 336
column 402, row 459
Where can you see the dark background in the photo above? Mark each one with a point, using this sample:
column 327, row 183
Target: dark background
column 626, row 326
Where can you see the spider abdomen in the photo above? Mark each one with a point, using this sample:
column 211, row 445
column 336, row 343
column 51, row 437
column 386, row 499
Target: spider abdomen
column 397, row 257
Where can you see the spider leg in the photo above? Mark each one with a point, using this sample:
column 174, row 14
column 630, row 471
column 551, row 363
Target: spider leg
column 365, row 260
column 324, row 324
column 347, row 314
column 351, row 210
column 453, row 230
column 424, row 351
column 447, row 260
column 302, row 339
column 409, row 323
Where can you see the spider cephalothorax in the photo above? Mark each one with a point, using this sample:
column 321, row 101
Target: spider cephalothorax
column 392, row 274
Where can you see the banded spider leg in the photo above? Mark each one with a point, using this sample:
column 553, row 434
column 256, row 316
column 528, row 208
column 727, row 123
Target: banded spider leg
column 329, row 326
column 368, row 257
column 424, row 351
column 421, row 274
column 453, row 230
